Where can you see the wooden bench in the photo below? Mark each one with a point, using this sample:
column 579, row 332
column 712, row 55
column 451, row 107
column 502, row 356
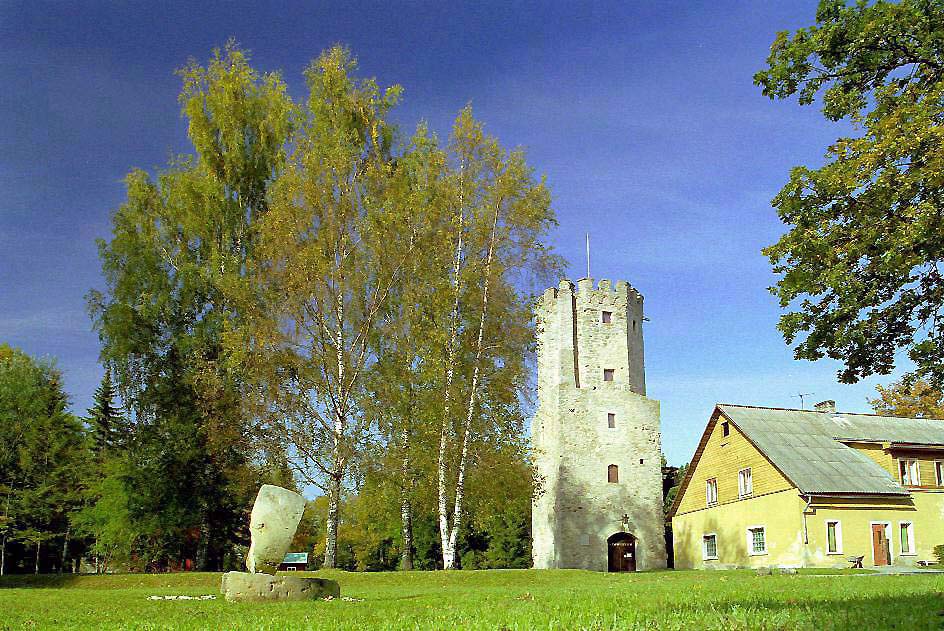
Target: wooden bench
column 856, row 562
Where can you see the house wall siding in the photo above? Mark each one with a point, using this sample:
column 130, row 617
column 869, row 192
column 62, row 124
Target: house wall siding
column 779, row 513
column 888, row 460
column 925, row 509
column 878, row 454
column 721, row 459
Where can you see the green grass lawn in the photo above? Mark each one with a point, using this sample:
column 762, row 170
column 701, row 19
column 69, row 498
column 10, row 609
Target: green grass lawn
column 493, row 599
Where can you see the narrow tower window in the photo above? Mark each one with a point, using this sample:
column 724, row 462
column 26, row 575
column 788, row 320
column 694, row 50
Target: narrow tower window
column 607, row 317
column 607, row 374
column 611, row 420
column 612, row 473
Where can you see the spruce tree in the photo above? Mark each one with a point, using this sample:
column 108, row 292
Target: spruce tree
column 105, row 422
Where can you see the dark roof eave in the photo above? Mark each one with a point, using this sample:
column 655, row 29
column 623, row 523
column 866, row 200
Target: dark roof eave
column 855, row 494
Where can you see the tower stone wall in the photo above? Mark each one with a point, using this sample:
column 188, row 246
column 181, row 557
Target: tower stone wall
column 578, row 509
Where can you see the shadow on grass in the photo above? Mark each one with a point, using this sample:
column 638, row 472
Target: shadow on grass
column 827, row 611
column 203, row 580
column 21, row 581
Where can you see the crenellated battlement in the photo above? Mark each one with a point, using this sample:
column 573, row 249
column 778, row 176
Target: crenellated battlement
column 605, row 290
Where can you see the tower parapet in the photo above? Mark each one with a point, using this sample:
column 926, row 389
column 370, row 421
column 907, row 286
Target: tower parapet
column 598, row 328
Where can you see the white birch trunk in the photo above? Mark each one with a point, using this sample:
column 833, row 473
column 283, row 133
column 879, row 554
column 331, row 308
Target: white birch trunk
column 406, row 524
column 444, row 529
column 3, row 544
column 449, row 548
column 331, row 543
column 334, row 491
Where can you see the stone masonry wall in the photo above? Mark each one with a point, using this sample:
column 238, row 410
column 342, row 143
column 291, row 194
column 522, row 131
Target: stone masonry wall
column 579, row 509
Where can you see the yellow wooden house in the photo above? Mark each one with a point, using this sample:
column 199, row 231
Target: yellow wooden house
column 807, row 488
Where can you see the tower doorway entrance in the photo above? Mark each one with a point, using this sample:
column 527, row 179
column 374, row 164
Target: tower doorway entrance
column 621, row 555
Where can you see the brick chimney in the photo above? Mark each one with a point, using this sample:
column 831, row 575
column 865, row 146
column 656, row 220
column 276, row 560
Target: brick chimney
column 828, row 406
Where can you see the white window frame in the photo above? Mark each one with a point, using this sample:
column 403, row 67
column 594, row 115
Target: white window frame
column 838, row 524
column 711, row 483
column 704, row 547
column 914, row 471
column 939, row 472
column 911, row 539
column 750, row 540
column 745, row 489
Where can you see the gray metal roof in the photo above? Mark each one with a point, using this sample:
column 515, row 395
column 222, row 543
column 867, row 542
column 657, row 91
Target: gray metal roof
column 803, row 445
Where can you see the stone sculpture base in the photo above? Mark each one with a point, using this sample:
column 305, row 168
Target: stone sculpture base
column 246, row 587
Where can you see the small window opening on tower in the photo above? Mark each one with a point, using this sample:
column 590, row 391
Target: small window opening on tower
column 612, row 473
column 725, row 429
column 607, row 317
column 634, row 325
column 642, row 461
column 608, row 374
column 610, row 420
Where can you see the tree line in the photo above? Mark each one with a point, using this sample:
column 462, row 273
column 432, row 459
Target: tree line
column 316, row 299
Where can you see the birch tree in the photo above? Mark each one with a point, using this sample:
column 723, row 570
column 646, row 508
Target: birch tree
column 401, row 392
column 501, row 214
column 333, row 246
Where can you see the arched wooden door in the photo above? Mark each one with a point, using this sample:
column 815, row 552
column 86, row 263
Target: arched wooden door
column 621, row 549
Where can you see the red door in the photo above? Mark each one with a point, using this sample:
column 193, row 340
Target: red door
column 879, row 545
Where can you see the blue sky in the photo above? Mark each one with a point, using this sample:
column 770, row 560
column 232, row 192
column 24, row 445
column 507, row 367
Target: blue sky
column 643, row 116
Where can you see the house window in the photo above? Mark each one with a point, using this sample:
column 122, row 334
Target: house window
column 745, row 483
column 611, row 420
column 612, row 473
column 939, row 472
column 910, row 475
column 757, row 540
column 833, row 537
column 607, row 317
column 906, row 536
column 709, row 547
column 725, row 429
column 711, row 491
column 607, row 374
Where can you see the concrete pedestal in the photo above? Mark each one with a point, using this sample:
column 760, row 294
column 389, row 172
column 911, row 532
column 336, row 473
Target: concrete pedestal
column 246, row 587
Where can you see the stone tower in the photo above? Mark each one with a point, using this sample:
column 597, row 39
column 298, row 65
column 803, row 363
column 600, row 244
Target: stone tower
column 595, row 434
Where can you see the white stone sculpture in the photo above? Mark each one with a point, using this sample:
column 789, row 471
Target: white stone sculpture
column 272, row 525
column 275, row 517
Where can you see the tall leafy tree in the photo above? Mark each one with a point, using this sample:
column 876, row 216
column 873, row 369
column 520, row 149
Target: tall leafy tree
column 178, row 241
column 334, row 244
column 861, row 263
column 403, row 384
column 500, row 216
column 914, row 399
column 42, row 459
